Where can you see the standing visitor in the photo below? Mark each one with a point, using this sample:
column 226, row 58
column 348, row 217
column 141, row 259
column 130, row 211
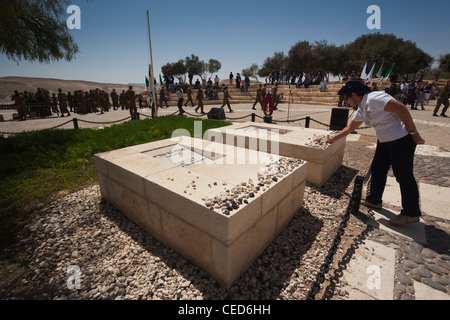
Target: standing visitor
column 397, row 139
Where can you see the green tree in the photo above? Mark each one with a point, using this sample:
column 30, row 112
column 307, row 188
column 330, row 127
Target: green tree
column 275, row 63
column 177, row 69
column 301, row 58
column 444, row 63
column 251, row 72
column 214, row 66
column 194, row 65
column 410, row 61
column 34, row 30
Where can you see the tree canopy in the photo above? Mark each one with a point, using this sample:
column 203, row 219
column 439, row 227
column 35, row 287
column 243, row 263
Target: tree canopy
column 33, row 30
column 375, row 48
column 192, row 65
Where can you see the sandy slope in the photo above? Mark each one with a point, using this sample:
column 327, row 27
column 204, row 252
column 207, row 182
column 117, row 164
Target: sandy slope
column 9, row 84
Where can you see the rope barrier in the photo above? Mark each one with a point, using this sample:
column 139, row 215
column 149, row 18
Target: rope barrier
column 110, row 122
column 176, row 112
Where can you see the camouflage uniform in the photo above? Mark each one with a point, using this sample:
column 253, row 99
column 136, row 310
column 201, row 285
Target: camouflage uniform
column 199, row 99
column 20, row 105
column 115, row 99
column 258, row 97
column 275, row 98
column 130, row 96
column 189, row 96
column 443, row 99
column 63, row 103
column 226, row 97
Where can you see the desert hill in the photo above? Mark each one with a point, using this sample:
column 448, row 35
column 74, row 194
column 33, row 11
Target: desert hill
column 9, row 84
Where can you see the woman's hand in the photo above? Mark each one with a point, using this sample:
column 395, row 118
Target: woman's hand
column 417, row 138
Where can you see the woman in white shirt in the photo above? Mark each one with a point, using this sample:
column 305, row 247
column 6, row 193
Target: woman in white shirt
column 397, row 140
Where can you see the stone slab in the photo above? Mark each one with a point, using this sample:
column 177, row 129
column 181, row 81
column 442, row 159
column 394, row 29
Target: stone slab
column 434, row 200
column 424, row 292
column 323, row 160
column 413, row 231
column 370, row 276
column 165, row 186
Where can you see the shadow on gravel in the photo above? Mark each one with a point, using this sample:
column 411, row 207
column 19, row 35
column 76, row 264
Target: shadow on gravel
column 337, row 185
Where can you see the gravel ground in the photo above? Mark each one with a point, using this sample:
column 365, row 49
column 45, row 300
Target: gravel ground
column 116, row 259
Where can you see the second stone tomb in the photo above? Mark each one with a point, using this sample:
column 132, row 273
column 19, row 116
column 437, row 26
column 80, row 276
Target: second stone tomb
column 296, row 142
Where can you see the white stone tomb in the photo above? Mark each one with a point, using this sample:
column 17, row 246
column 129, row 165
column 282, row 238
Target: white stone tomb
column 174, row 189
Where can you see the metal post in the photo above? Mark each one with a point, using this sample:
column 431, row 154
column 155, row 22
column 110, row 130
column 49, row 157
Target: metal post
column 75, row 123
column 307, row 122
column 253, row 117
column 152, row 83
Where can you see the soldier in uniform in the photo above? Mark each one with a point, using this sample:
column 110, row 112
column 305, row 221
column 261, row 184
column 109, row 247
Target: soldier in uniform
column 162, row 97
column 19, row 100
column 105, row 100
column 97, row 101
column 263, row 95
column 55, row 104
column 189, row 96
column 275, row 98
column 130, row 96
column 258, row 97
column 115, row 99
column 122, row 99
column 70, row 101
column 199, row 99
column 443, row 99
column 63, row 103
column 226, row 99
column 80, row 102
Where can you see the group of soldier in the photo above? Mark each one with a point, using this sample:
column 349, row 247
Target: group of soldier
column 261, row 94
column 45, row 104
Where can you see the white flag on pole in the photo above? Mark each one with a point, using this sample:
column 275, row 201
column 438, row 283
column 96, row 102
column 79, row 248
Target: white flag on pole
column 364, row 72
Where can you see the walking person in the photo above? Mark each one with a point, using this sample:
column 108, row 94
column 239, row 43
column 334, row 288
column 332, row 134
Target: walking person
column 63, row 103
column 226, row 99
column 397, row 139
column 259, row 99
column 162, row 97
column 442, row 99
column 189, row 96
column 199, row 99
column 179, row 91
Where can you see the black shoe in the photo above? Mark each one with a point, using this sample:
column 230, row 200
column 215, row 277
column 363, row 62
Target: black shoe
column 443, row 115
column 253, row 108
column 435, row 115
column 231, row 111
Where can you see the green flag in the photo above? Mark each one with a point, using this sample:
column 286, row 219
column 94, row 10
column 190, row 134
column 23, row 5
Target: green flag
column 160, row 80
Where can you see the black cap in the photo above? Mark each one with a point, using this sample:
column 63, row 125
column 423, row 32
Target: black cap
column 354, row 86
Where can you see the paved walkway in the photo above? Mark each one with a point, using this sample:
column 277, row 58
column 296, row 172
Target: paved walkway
column 411, row 262
column 392, row 263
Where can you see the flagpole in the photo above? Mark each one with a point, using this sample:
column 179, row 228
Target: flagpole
column 152, row 83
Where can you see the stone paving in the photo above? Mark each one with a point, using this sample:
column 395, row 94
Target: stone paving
column 422, row 268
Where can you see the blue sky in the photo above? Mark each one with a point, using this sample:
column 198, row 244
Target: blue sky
column 114, row 46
